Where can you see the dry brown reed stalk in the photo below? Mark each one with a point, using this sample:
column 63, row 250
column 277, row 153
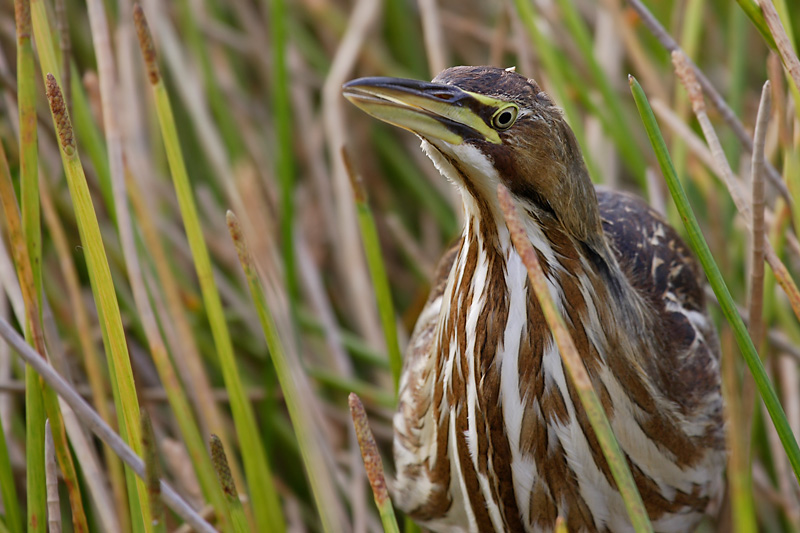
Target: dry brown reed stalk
column 710, row 91
column 784, row 45
column 756, row 299
column 351, row 267
column 434, row 39
column 723, row 169
column 312, row 284
column 51, row 480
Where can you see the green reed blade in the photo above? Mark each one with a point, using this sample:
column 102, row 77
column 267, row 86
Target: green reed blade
column 119, row 363
column 290, row 377
column 383, row 293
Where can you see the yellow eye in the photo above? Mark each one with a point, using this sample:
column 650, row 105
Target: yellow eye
column 505, row 117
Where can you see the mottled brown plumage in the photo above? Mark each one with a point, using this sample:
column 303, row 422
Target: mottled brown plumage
column 490, row 434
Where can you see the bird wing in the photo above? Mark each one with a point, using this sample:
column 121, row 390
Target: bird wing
column 663, row 270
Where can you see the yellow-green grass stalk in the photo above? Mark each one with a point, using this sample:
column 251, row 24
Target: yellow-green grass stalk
column 92, row 362
column 575, row 368
column 49, row 61
column 753, row 11
column 739, row 477
column 373, row 464
column 35, row 337
column 34, row 408
column 106, row 300
column 34, row 443
column 714, row 276
column 152, row 471
column 290, row 377
column 263, row 494
column 554, row 66
column 284, row 153
column 615, row 122
column 380, row 281
column 228, row 485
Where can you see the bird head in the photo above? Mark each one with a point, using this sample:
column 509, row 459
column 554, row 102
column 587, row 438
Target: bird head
column 483, row 126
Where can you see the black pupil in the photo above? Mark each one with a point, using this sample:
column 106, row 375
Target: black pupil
column 504, row 118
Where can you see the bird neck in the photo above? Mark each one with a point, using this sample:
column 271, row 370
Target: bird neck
column 583, row 274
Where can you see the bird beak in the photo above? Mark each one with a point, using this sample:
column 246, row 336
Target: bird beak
column 431, row 110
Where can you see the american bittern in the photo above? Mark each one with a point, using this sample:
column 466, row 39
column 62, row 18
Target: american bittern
column 489, row 433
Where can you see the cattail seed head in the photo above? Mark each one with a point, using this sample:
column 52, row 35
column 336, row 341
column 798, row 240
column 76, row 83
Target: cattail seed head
column 146, row 44
column 60, row 116
column 369, row 451
column 22, row 15
column 220, row 462
column 688, row 78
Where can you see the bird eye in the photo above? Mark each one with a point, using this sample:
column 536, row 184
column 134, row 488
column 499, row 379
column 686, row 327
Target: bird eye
column 505, row 117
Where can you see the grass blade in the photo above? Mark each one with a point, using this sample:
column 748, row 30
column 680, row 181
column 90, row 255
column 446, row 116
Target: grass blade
column 372, row 249
column 282, row 109
column 293, row 382
column 104, row 294
column 753, row 12
column 34, row 427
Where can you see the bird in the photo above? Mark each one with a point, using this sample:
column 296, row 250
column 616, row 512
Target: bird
column 489, row 432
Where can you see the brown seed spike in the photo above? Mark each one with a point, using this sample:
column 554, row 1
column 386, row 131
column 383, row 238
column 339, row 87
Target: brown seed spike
column 60, row 116
column 146, row 44
column 22, row 15
column 369, row 450
column 688, row 78
column 220, row 462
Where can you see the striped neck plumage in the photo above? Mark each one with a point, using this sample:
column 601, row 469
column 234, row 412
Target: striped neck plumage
column 554, row 238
